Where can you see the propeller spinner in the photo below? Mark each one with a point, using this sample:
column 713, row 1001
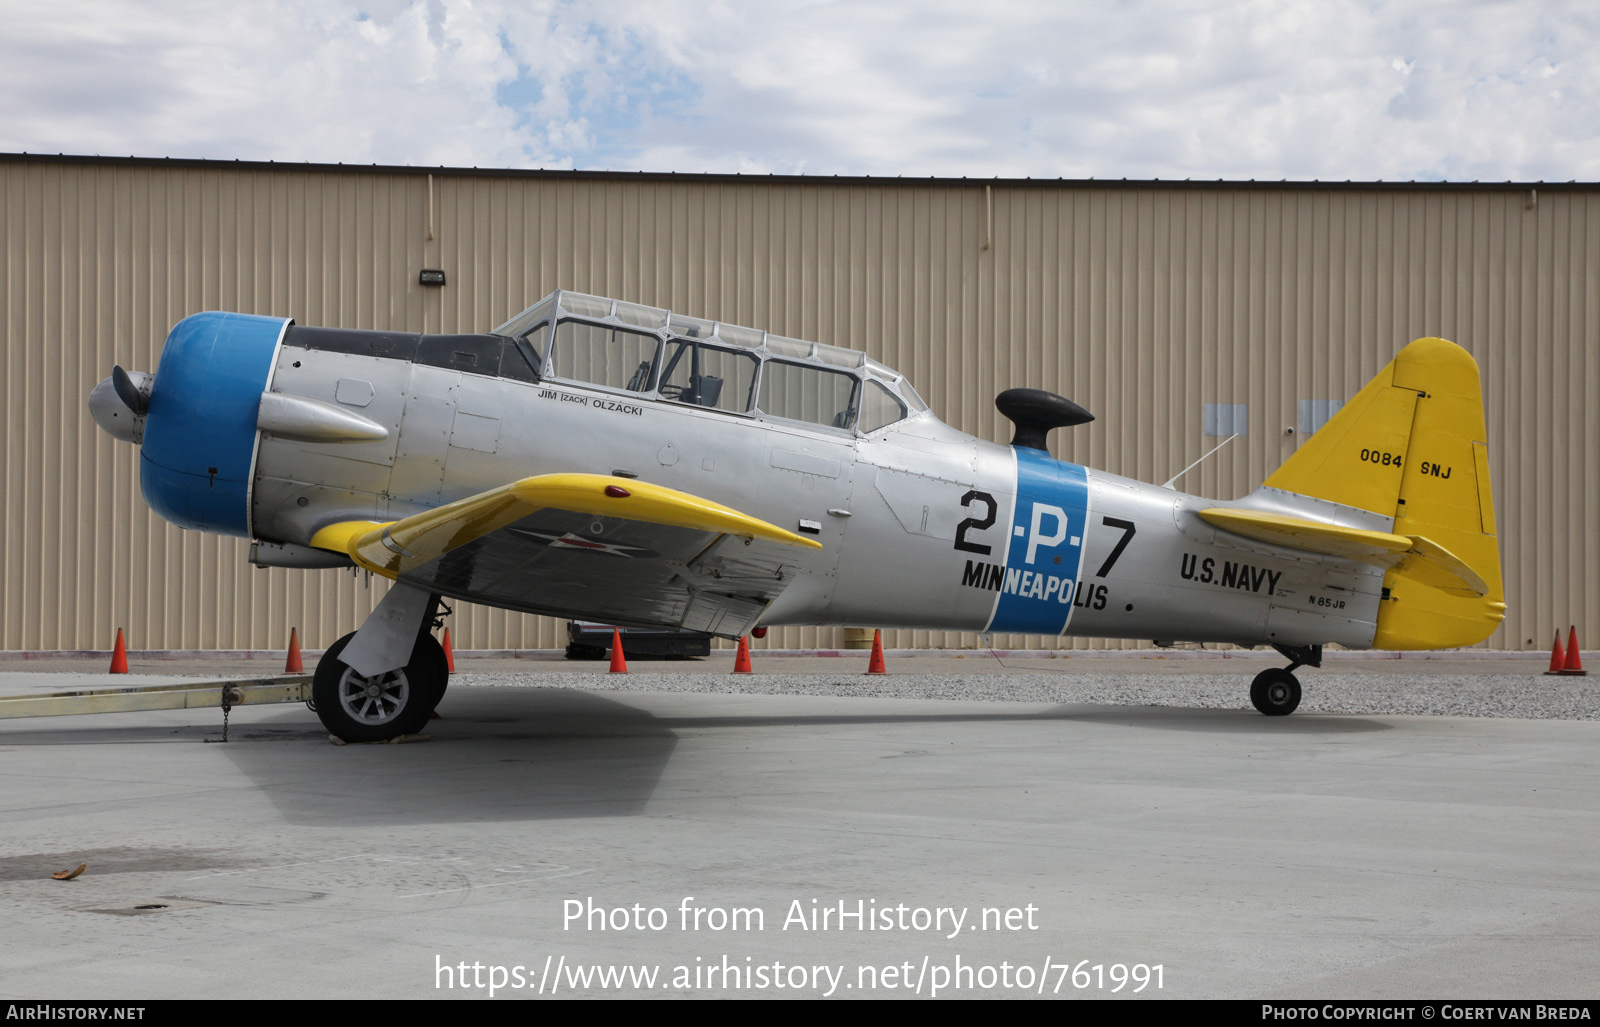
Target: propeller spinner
column 119, row 404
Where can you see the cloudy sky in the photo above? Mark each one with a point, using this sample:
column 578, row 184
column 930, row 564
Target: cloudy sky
column 1236, row 89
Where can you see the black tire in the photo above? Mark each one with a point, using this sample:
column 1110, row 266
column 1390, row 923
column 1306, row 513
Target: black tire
column 1275, row 692
column 359, row 709
column 584, row 652
column 429, row 654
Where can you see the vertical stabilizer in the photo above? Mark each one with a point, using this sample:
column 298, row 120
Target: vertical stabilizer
column 1411, row 446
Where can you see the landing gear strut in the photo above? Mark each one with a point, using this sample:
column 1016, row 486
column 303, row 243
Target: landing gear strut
column 384, row 706
column 1276, row 691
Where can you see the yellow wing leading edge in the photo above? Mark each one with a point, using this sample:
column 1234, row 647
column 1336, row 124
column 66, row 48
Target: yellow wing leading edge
column 393, row 548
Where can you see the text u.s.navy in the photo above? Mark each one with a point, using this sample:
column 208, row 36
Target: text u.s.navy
column 605, row 461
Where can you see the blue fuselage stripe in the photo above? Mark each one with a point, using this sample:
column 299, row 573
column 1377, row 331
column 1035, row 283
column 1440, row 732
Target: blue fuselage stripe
column 1044, row 555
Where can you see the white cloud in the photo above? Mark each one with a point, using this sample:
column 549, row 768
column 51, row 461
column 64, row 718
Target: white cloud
column 1331, row 89
column 291, row 80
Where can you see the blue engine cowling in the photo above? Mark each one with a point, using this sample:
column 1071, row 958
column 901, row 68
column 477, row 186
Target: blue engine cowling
column 200, row 431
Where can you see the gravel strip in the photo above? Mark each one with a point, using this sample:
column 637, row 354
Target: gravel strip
column 1520, row 697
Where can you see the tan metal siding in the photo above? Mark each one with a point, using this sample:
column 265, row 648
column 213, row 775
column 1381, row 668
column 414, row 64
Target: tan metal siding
column 1141, row 302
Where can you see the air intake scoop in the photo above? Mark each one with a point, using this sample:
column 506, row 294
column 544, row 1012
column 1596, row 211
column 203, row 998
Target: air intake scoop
column 1034, row 412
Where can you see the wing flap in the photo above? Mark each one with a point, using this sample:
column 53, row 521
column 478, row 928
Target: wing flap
column 1426, row 560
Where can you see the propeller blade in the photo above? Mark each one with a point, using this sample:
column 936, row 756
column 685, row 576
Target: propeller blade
column 128, row 392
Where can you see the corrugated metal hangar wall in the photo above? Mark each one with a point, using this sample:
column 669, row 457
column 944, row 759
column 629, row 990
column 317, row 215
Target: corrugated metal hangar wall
column 1144, row 302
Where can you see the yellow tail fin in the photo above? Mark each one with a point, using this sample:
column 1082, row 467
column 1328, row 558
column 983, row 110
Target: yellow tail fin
column 1411, row 445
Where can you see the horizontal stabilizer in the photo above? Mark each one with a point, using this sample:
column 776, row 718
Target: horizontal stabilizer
column 1427, row 561
column 393, row 548
column 1433, row 564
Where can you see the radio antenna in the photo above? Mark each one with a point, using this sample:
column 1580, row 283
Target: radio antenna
column 1192, row 466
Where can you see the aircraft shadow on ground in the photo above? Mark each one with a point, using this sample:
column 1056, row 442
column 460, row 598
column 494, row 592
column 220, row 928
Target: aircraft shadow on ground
column 553, row 753
column 1241, row 722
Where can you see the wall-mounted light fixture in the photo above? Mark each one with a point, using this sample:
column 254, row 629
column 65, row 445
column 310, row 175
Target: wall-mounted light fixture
column 430, row 276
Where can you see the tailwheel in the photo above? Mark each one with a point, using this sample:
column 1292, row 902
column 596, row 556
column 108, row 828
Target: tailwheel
column 1275, row 692
column 357, row 708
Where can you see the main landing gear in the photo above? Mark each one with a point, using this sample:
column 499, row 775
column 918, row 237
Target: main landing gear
column 386, row 705
column 1276, row 691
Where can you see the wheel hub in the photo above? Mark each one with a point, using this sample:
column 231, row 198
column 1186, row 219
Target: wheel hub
column 375, row 700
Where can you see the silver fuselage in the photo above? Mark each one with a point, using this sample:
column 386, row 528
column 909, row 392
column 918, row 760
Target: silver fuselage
column 921, row 525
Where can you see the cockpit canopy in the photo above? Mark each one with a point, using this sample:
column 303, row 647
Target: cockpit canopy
column 658, row 354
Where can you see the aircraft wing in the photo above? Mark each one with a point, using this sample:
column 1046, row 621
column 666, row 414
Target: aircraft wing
column 590, row 546
column 1427, row 560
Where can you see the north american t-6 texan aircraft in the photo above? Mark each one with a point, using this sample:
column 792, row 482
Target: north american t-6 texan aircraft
column 612, row 462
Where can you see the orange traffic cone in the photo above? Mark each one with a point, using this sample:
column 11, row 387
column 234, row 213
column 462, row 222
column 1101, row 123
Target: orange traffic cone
column 1558, row 659
column 741, row 660
column 293, row 665
column 449, row 654
column 1573, row 665
column 119, row 656
column 875, row 665
column 619, row 663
